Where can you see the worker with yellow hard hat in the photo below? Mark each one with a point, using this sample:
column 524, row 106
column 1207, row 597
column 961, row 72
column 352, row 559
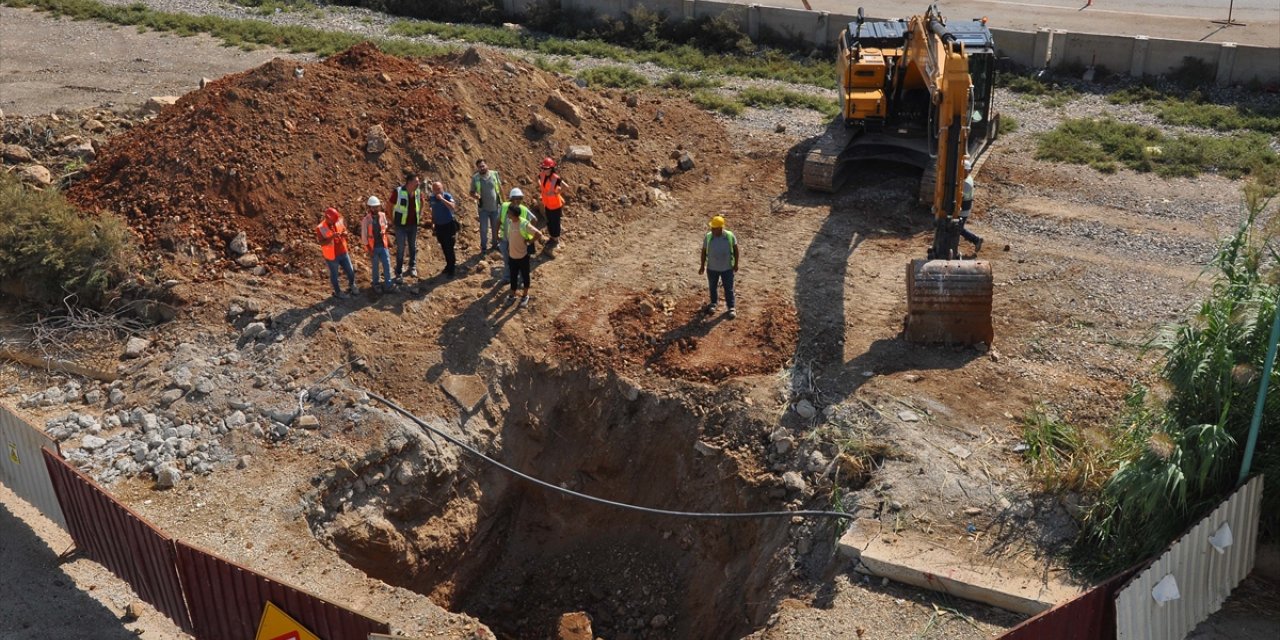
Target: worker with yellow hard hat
column 720, row 263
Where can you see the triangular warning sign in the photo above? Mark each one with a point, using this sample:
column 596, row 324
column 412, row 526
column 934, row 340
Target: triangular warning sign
column 277, row 625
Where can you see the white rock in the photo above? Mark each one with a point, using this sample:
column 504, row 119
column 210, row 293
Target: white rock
column 793, row 481
column 36, row 174
column 91, row 443
column 253, row 330
column 167, row 477
column 155, row 104
column 135, row 346
column 239, row 245
column 907, row 415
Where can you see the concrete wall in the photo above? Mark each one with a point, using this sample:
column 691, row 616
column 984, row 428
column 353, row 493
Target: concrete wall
column 1133, row 55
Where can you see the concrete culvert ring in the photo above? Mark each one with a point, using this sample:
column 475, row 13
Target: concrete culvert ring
column 481, row 541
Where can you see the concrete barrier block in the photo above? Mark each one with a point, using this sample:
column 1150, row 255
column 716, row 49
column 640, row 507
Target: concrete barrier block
column 1226, row 61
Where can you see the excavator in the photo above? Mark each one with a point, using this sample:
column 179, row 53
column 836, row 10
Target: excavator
column 918, row 91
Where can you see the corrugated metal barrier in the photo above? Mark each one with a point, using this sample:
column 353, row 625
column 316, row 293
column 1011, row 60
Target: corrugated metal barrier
column 1091, row 615
column 227, row 602
column 112, row 535
column 1205, row 564
column 22, row 467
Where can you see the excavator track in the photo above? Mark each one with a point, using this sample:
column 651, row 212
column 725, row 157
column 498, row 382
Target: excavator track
column 822, row 166
column 949, row 301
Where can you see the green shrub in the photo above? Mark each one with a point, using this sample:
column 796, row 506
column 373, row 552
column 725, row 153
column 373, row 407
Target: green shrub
column 612, row 76
column 1192, row 110
column 1193, row 73
column 443, row 10
column 712, row 101
column 1008, row 124
column 559, row 65
column 686, row 81
column 55, row 251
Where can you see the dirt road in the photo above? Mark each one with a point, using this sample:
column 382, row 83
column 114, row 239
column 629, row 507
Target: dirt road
column 1175, row 19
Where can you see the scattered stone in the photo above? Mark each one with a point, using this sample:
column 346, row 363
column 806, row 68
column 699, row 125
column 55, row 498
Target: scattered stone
column 156, row 104
column 36, row 174
column 308, row 421
column 542, row 125
column 16, row 154
column 204, row 386
column 167, row 477
column 115, row 396
column 134, row 347
column 793, row 481
column 510, row 67
column 235, row 420
column 171, row 396
column 580, row 153
column 574, row 626
column 659, row 621
column 907, row 415
column 817, row 462
column 468, row 391
column 239, row 245
column 633, row 100
column 248, row 260
column 960, row 452
column 705, row 449
column 94, row 126
column 685, row 161
column 558, row 105
column 93, row 397
column 253, row 330
column 133, row 611
column 972, row 511
column 994, row 355
column 913, row 377
column 279, row 431
column 780, row 128
column 92, row 443
column 896, row 506
column 806, row 410
column 376, row 139
column 783, row 445
column 149, row 422
column 470, row 57
column 629, row 129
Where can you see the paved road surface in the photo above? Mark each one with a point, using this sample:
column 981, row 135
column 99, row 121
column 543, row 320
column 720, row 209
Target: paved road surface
column 1178, row 19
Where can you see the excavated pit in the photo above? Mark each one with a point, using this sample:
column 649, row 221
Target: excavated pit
column 516, row 556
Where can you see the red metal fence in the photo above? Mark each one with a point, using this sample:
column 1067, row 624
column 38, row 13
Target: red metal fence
column 227, row 602
column 1091, row 615
column 112, row 535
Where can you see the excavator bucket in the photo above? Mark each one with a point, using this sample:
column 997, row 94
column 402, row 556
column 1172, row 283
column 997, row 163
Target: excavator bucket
column 949, row 301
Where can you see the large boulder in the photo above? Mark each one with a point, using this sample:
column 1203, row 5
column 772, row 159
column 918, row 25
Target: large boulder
column 560, row 106
column 36, row 174
column 376, row 139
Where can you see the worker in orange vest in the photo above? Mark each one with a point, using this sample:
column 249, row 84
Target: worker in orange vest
column 332, row 235
column 549, row 185
column 376, row 233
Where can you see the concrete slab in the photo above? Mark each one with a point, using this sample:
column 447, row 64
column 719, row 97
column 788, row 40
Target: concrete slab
column 468, row 391
column 911, row 558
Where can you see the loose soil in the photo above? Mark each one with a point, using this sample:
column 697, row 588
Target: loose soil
column 609, row 383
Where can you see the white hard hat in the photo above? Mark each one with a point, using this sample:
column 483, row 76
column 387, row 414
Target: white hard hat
column 374, row 202
column 517, row 193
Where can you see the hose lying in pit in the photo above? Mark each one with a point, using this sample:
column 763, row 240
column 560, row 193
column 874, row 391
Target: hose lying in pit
column 608, row 503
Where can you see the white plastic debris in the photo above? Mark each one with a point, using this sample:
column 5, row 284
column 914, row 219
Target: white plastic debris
column 1166, row 590
column 1221, row 539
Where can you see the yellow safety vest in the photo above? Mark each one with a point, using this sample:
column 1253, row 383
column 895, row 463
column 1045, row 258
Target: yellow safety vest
column 733, row 243
column 401, row 210
column 524, row 223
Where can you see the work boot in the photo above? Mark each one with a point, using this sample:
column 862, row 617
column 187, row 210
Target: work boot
column 413, row 273
column 524, row 302
column 977, row 246
column 353, row 291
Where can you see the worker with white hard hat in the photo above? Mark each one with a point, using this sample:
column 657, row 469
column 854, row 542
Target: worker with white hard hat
column 376, row 235
column 516, row 230
column 502, row 242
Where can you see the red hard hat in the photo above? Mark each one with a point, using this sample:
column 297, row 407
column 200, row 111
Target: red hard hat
column 548, row 163
column 332, row 214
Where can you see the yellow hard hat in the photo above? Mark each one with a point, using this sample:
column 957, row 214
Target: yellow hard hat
column 717, row 222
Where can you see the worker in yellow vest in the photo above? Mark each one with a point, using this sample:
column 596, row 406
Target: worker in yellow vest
column 406, row 215
column 516, row 230
column 720, row 263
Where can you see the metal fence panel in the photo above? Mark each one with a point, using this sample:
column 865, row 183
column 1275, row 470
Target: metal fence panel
column 22, row 467
column 1090, row 615
column 112, row 535
column 1205, row 576
column 227, row 602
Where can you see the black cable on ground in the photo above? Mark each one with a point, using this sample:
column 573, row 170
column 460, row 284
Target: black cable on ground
column 608, row 503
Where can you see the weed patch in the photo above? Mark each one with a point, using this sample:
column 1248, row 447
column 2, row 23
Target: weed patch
column 774, row 97
column 688, row 82
column 1107, row 145
column 613, row 76
column 1194, row 111
column 712, row 101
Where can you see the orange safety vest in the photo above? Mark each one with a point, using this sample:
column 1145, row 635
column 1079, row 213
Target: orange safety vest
column 366, row 231
column 333, row 241
column 551, row 198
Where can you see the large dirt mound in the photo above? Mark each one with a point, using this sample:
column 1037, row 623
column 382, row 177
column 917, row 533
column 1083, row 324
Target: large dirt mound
column 265, row 151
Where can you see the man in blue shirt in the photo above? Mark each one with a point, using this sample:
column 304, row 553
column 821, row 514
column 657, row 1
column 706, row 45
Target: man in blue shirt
column 445, row 225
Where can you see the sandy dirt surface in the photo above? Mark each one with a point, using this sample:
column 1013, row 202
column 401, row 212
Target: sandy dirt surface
column 1175, row 19
column 1085, row 265
column 114, row 65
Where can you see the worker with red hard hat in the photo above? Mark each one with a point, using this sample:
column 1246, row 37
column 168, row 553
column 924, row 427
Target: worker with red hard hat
column 550, row 185
column 331, row 233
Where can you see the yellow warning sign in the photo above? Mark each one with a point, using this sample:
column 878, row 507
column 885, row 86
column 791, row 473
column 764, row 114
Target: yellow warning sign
column 277, row 625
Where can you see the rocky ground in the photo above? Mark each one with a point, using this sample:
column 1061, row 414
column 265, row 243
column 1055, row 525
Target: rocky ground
column 245, row 424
